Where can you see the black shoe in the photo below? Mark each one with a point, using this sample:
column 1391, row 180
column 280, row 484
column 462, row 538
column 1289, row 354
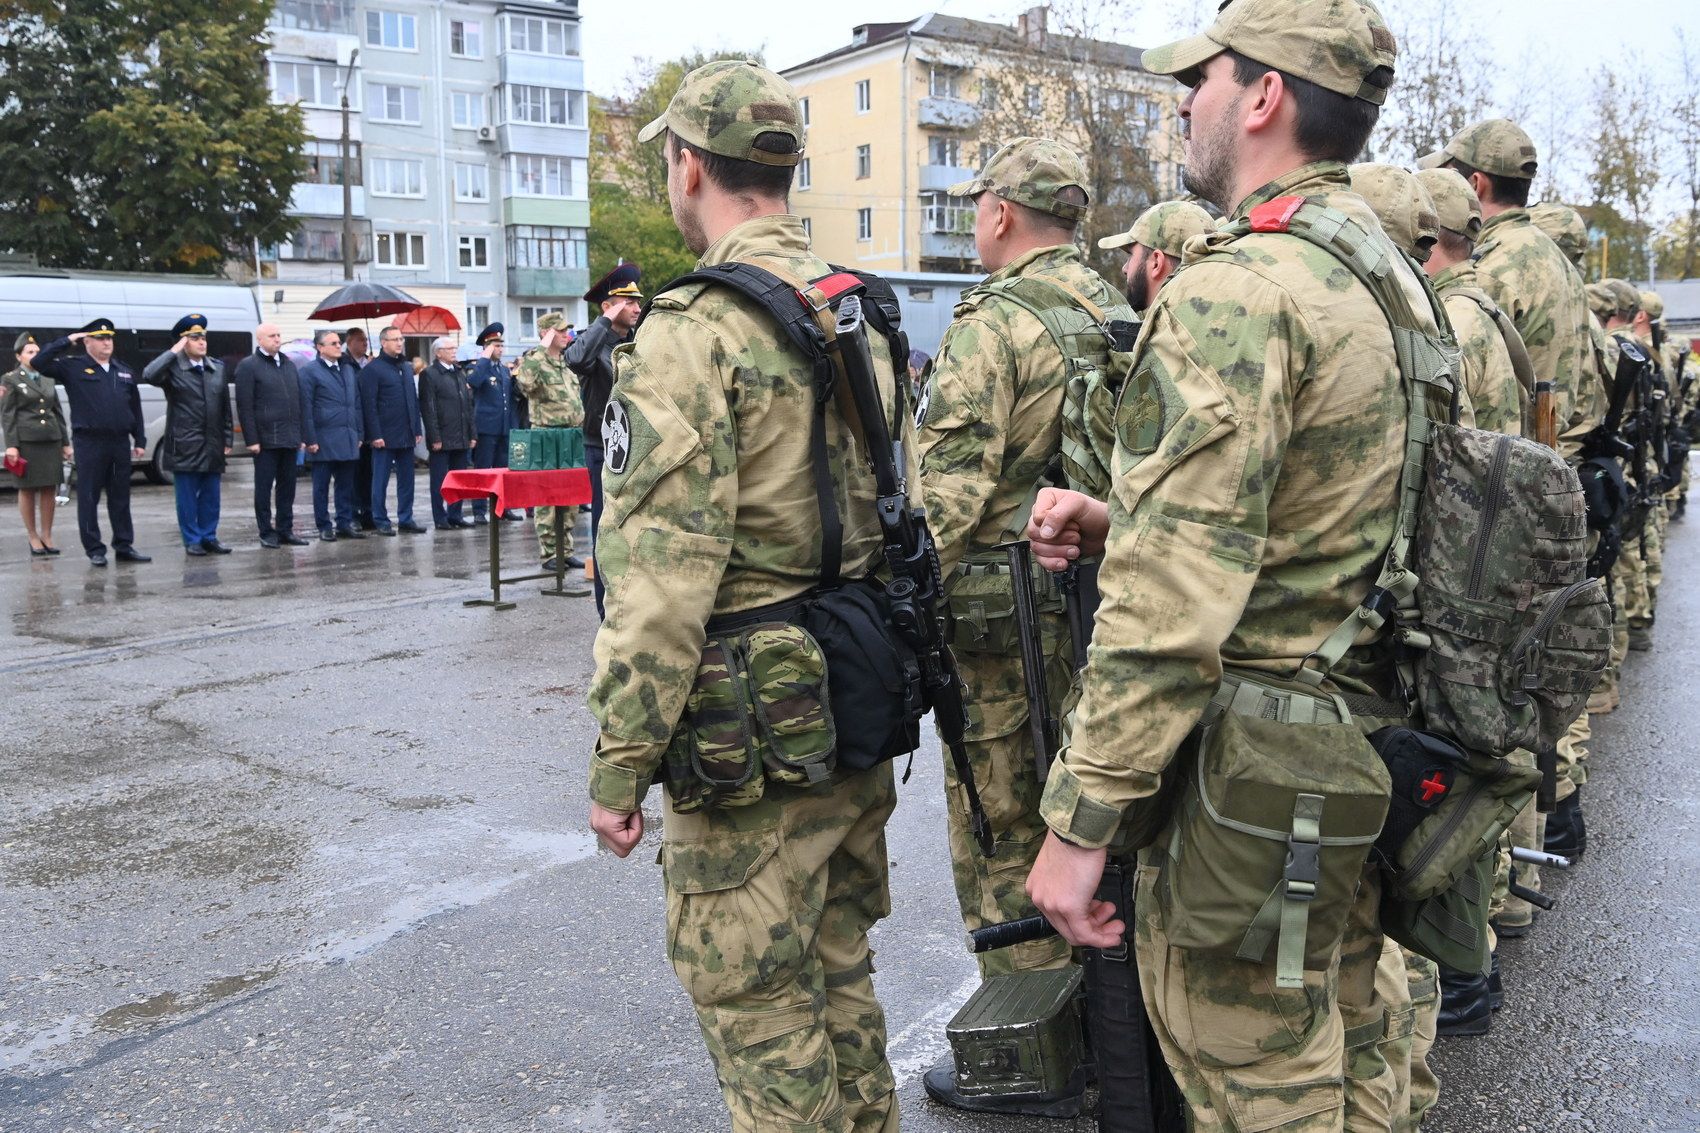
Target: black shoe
column 1466, row 1004
column 51, row 550
column 130, row 555
column 196, row 550
column 1515, row 930
column 326, row 535
column 349, row 533
column 444, row 526
column 513, row 517
column 460, row 523
column 940, row 1084
column 1567, row 833
column 480, row 521
column 97, row 558
column 410, row 528
column 574, row 563
column 290, row 539
column 39, row 552
column 215, row 546
column 270, row 541
column 1496, row 986
column 549, row 565
column 1640, row 639
column 386, row 529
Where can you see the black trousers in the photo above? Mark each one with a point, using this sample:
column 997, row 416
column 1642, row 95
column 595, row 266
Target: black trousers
column 103, row 465
column 444, row 461
column 363, row 487
column 593, row 464
column 274, row 469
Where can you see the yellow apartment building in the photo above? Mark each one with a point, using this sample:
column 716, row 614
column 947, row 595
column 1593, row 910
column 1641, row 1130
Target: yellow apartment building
column 905, row 110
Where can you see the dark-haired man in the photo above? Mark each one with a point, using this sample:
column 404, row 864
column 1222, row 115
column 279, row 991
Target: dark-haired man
column 389, row 407
column 1154, row 246
column 591, row 356
column 1259, row 446
column 712, row 512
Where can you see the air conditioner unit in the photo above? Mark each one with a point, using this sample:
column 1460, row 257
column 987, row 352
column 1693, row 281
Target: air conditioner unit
column 486, row 133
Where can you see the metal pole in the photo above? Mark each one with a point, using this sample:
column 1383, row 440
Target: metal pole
column 347, row 185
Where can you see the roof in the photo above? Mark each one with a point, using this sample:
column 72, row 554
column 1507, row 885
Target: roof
column 981, row 33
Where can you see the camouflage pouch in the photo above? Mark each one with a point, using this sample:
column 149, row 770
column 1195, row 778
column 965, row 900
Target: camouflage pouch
column 712, row 760
column 789, row 702
column 982, row 606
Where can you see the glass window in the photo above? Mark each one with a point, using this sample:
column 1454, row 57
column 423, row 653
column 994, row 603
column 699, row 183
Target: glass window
column 1035, row 99
column 477, row 317
column 546, row 106
column 475, row 252
column 466, row 39
column 311, row 84
column 808, row 227
column 943, row 150
column 391, row 103
column 467, row 110
column 539, row 36
column 397, row 177
column 395, row 30
column 804, row 104
column 864, row 161
column 864, row 224
column 803, row 174
column 987, row 151
column 528, row 317
column 943, row 82
column 988, row 94
column 401, row 249
column 864, row 97
column 945, row 214
column 535, row 175
column 472, row 182
column 546, row 246
column 321, row 241
column 315, row 15
column 324, row 162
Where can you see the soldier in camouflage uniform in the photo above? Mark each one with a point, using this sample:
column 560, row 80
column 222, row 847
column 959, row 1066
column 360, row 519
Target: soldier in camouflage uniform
column 1649, row 332
column 551, row 389
column 1154, row 246
column 710, row 509
column 1258, row 450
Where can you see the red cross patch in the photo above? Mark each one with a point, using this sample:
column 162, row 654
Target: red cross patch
column 1433, row 787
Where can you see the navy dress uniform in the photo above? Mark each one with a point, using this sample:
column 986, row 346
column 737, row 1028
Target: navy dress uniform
column 106, row 430
column 198, row 432
column 493, row 408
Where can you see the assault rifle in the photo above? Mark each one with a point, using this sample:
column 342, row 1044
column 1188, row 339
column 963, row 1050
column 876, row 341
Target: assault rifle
column 1605, row 453
column 915, row 592
column 1041, row 722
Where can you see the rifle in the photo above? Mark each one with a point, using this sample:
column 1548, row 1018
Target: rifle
column 915, row 592
column 1546, row 414
column 1041, row 724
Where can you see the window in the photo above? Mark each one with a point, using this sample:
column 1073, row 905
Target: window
column 397, row 177
column 472, row 182
column 864, row 161
column 468, row 110
column 808, row 228
column 1035, row 99
column 401, row 249
column 475, row 252
column 864, row 224
column 864, row 97
column 545, row 246
column 803, row 175
column 947, row 215
column 528, row 317
column 987, row 151
column 466, row 39
column 315, row 15
column 324, row 162
column 943, row 82
column 394, row 30
column 546, row 106
column 320, row 241
column 391, row 103
column 803, row 103
column 534, row 175
column 542, row 37
column 942, row 150
column 311, row 84
column 988, row 94
column 477, row 317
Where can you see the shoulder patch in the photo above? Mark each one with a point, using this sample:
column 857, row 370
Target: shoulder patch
column 616, row 436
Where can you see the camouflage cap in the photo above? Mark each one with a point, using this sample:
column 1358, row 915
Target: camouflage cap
column 1336, row 44
column 1402, row 205
column 723, row 107
column 1031, row 172
column 1600, row 301
column 1654, row 305
column 553, row 320
column 1565, row 227
column 1496, row 145
column 1625, row 300
column 1165, row 227
column 1455, row 203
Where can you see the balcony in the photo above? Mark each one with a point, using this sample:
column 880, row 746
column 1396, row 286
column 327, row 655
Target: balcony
column 948, row 113
column 948, row 246
column 549, row 283
column 938, row 177
column 324, row 200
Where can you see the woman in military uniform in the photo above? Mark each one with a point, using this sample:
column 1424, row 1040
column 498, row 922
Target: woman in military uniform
column 34, row 426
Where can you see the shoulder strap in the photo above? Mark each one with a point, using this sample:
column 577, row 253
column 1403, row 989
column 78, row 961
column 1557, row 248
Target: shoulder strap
column 1521, row 364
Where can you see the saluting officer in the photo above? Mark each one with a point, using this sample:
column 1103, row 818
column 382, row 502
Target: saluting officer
column 198, row 433
column 552, row 392
column 105, row 407
column 493, row 408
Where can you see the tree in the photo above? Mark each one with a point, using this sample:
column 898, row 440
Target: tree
column 143, row 136
column 1685, row 122
column 624, row 227
column 1625, row 171
column 1442, row 82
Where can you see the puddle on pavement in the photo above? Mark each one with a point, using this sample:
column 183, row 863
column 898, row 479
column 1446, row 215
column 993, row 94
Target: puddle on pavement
column 154, row 1009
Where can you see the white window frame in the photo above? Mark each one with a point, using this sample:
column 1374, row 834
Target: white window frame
column 472, row 182
column 406, row 30
column 947, row 78
column 528, row 316
column 469, row 99
column 477, row 317
column 524, row 26
column 326, row 95
column 803, row 181
column 378, row 97
column 952, row 149
column 381, row 178
column 803, row 105
column 549, row 246
column 864, row 225
column 573, row 173
column 471, row 39
column 390, row 241
column 1035, row 99
column 864, row 96
column 864, row 162
column 470, row 246
column 543, row 99
column 808, row 227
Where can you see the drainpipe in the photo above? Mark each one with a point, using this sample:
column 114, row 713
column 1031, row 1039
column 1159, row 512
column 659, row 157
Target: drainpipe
column 908, row 156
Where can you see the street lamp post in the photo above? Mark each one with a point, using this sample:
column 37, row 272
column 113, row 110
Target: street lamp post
column 347, row 184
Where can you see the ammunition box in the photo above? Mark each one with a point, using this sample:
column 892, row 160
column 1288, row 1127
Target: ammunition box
column 1018, row 1034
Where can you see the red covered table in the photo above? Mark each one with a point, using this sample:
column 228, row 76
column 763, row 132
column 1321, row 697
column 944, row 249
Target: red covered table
column 559, row 488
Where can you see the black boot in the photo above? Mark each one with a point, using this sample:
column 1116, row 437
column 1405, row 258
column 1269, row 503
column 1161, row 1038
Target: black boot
column 940, row 1084
column 1567, row 833
column 1496, row 986
column 1466, row 1004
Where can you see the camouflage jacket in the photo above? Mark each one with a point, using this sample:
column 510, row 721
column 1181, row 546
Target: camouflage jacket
column 993, row 408
column 1525, row 273
column 1258, row 451
column 550, row 389
column 1488, row 376
column 710, row 502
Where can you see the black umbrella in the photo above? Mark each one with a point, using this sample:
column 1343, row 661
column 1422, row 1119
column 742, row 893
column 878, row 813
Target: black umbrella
column 364, row 300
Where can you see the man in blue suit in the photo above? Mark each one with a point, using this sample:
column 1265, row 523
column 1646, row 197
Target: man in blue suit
column 332, row 426
column 493, row 408
column 390, row 409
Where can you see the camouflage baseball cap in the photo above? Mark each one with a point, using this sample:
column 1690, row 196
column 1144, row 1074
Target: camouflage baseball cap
column 1455, row 203
column 1165, row 227
column 1654, row 305
column 1565, row 227
column 1625, row 300
column 1031, row 172
column 1401, row 204
column 723, row 107
column 553, row 320
column 1496, row 145
column 1600, row 301
column 1336, row 44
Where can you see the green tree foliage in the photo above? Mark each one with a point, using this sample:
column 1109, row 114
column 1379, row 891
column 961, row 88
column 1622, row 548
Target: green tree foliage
column 142, row 137
column 627, row 227
column 1625, row 174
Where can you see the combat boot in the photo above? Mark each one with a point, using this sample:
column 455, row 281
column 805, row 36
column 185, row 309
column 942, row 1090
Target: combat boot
column 1641, row 639
column 1603, row 702
column 1466, row 1004
column 1496, row 986
column 1567, row 833
column 1070, row 1101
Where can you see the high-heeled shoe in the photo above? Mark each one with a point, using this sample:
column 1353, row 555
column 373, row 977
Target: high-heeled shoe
column 37, row 552
column 49, row 549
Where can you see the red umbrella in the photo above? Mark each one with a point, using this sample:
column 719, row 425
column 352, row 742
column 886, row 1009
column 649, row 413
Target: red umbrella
column 364, row 300
column 426, row 321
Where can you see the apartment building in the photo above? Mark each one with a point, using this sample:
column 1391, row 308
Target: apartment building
column 905, row 110
column 469, row 147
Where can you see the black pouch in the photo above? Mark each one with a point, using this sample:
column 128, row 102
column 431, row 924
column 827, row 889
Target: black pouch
column 875, row 680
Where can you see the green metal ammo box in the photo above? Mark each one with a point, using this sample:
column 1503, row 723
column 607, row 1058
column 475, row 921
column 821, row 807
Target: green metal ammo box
column 1018, row 1034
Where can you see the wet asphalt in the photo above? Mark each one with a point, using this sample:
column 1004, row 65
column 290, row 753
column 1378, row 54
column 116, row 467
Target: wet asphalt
column 292, row 840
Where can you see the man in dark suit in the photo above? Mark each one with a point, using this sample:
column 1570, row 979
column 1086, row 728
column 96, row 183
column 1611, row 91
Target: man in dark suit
column 390, row 409
column 445, row 407
column 105, row 406
column 355, row 350
column 591, row 357
column 494, row 407
column 198, row 432
column 332, row 427
column 268, row 404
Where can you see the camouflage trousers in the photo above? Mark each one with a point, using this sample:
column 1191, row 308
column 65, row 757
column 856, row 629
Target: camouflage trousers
column 1248, row 1055
column 544, row 517
column 1422, row 978
column 1573, row 755
column 1657, row 520
column 1398, row 1045
column 1611, row 682
column 1527, row 830
column 768, row 912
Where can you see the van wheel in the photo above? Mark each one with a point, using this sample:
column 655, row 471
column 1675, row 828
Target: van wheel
column 153, row 471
